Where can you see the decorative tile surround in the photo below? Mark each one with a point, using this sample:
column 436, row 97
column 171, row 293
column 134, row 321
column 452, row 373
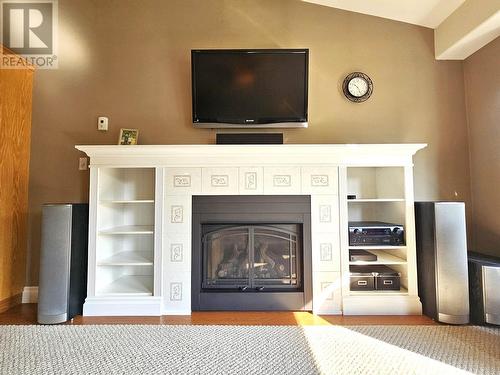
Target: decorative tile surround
column 176, row 291
column 325, row 213
column 326, row 287
column 250, row 180
column 182, row 181
column 177, row 214
column 325, row 250
column 219, row 180
column 282, row 180
column 327, row 292
column 176, row 268
column 319, row 182
column 176, row 252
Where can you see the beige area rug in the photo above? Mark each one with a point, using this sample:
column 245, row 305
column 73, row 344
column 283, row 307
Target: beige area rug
column 143, row 349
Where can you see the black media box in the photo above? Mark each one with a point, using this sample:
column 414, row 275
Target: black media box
column 387, row 279
column 361, row 278
column 376, row 277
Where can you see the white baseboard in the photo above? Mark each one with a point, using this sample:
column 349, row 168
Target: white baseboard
column 176, row 312
column 30, row 294
column 385, row 304
column 122, row 306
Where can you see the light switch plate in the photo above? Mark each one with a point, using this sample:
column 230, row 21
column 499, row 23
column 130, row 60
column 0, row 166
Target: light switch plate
column 83, row 164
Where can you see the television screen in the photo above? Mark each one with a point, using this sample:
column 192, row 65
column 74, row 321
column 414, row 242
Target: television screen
column 250, row 87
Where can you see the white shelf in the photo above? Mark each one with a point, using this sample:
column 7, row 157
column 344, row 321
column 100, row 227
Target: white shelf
column 376, row 182
column 383, row 257
column 361, row 200
column 372, row 293
column 128, row 258
column 128, row 285
column 131, row 201
column 129, row 229
column 126, row 184
column 368, row 247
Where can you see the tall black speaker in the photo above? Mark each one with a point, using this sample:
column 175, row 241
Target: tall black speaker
column 63, row 262
column 442, row 261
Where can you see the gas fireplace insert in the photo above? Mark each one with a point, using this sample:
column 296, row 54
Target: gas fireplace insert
column 251, row 253
column 247, row 258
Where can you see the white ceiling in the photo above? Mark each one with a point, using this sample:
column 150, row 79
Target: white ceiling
column 428, row 13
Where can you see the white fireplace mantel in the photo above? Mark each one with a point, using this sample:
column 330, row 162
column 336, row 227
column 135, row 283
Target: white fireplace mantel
column 140, row 217
column 238, row 155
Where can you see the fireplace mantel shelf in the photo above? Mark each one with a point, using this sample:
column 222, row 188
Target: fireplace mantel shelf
column 289, row 154
column 161, row 181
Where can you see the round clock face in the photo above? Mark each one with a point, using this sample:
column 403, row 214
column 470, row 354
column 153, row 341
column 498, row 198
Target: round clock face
column 357, row 87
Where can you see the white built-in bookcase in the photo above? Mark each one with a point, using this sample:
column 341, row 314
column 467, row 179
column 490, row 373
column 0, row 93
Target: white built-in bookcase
column 381, row 194
column 125, row 232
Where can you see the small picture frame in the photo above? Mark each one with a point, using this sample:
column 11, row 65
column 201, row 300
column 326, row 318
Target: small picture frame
column 128, row 136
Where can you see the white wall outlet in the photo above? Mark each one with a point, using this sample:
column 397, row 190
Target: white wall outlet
column 102, row 123
column 83, row 164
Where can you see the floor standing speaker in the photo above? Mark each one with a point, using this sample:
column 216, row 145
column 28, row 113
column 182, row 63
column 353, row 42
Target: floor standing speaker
column 442, row 261
column 484, row 284
column 63, row 262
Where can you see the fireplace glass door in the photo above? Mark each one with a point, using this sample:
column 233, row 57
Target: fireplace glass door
column 252, row 258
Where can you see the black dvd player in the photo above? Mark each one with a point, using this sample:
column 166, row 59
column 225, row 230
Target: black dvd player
column 361, row 255
column 375, row 233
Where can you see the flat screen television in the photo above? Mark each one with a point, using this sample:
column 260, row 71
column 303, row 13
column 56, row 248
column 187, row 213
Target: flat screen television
column 250, row 88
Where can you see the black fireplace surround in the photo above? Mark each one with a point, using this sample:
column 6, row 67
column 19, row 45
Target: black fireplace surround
column 251, row 253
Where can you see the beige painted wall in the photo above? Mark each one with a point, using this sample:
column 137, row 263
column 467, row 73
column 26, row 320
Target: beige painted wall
column 130, row 60
column 482, row 77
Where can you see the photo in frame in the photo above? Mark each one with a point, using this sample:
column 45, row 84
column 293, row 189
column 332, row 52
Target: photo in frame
column 128, row 136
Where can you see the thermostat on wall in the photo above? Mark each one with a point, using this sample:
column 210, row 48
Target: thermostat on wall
column 102, row 123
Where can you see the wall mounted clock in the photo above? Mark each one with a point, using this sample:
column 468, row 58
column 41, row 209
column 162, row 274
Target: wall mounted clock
column 357, row 87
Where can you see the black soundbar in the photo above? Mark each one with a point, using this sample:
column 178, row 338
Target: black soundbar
column 249, row 138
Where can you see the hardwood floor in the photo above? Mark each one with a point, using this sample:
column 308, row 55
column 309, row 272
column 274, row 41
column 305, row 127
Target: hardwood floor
column 20, row 314
column 8, row 303
column 26, row 314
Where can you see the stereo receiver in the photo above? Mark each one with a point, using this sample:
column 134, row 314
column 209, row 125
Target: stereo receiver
column 375, row 233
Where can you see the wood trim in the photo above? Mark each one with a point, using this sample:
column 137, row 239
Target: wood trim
column 10, row 302
column 25, row 65
column 16, row 90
